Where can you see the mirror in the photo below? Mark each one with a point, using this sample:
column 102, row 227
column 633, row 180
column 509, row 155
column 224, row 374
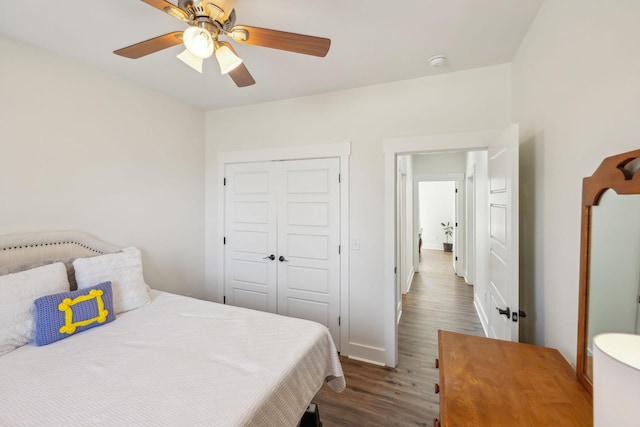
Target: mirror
column 610, row 256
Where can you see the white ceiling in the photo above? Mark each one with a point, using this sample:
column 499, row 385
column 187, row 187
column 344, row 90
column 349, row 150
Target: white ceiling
column 372, row 42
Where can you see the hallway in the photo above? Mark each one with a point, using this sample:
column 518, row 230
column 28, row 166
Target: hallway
column 378, row 396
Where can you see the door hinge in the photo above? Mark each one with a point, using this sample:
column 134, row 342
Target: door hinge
column 339, row 249
column 395, row 270
column 456, row 190
column 456, row 224
column 339, row 320
column 224, row 181
column 224, row 300
column 224, row 240
column 456, row 258
column 339, row 178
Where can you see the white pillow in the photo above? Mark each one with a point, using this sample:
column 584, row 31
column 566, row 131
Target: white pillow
column 124, row 271
column 17, row 293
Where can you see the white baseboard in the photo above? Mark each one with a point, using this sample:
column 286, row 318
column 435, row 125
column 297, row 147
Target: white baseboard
column 410, row 279
column 435, row 247
column 369, row 354
column 366, row 361
column 482, row 316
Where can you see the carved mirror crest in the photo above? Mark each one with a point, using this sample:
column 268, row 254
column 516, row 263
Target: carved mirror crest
column 609, row 256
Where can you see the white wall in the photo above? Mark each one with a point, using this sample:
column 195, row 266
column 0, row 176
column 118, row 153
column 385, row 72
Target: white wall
column 86, row 151
column 575, row 95
column 457, row 102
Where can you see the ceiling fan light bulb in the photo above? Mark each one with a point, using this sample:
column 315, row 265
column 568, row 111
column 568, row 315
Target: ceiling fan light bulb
column 198, row 41
column 227, row 59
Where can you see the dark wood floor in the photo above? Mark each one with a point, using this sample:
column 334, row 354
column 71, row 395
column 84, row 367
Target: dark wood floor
column 404, row 396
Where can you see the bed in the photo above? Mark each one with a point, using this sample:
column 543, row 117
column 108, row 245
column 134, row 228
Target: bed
column 172, row 360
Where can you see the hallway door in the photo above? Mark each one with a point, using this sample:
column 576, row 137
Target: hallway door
column 503, row 236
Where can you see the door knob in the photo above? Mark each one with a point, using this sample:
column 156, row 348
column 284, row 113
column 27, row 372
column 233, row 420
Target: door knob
column 283, row 259
column 506, row 312
column 271, row 257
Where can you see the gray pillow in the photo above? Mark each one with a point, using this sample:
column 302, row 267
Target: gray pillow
column 68, row 264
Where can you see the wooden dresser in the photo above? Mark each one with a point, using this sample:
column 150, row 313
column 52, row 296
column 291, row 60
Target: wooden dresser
column 487, row 382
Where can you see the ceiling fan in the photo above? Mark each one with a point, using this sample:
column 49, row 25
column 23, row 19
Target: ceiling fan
column 210, row 19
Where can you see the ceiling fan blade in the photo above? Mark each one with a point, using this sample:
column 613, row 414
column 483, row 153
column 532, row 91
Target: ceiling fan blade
column 146, row 47
column 168, row 8
column 240, row 75
column 292, row 42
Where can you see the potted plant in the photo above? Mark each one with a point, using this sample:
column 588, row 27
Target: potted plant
column 448, row 232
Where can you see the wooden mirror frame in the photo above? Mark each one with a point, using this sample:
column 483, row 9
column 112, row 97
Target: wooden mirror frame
column 610, row 175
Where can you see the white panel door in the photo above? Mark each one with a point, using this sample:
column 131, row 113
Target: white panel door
column 251, row 236
column 282, row 239
column 309, row 241
column 503, row 236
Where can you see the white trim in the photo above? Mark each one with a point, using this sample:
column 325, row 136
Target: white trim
column 412, row 273
column 360, row 359
column 367, row 353
column 392, row 148
column 481, row 314
column 340, row 150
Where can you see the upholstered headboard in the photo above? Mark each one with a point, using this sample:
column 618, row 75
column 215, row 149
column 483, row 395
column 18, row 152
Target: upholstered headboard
column 20, row 249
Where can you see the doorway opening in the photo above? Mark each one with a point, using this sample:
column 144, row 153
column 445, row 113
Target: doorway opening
column 433, row 213
column 500, row 149
column 439, row 201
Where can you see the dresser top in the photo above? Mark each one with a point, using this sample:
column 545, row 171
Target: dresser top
column 488, row 382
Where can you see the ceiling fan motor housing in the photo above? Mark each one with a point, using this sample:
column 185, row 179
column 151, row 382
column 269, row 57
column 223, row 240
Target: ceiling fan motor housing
column 219, row 11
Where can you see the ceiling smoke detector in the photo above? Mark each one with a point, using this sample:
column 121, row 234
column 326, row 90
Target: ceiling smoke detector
column 437, row 61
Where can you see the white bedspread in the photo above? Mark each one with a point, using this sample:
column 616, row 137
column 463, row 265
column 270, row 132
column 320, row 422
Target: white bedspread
column 177, row 361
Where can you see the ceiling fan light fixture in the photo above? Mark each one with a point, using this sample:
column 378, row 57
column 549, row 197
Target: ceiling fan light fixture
column 191, row 60
column 198, row 42
column 226, row 58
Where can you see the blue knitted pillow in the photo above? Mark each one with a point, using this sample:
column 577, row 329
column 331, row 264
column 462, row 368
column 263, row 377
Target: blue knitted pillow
column 59, row 316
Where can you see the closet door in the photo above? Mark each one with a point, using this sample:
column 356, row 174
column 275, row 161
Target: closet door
column 309, row 241
column 251, row 236
column 282, row 239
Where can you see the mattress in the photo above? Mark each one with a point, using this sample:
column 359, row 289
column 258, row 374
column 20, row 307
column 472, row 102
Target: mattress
column 177, row 361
